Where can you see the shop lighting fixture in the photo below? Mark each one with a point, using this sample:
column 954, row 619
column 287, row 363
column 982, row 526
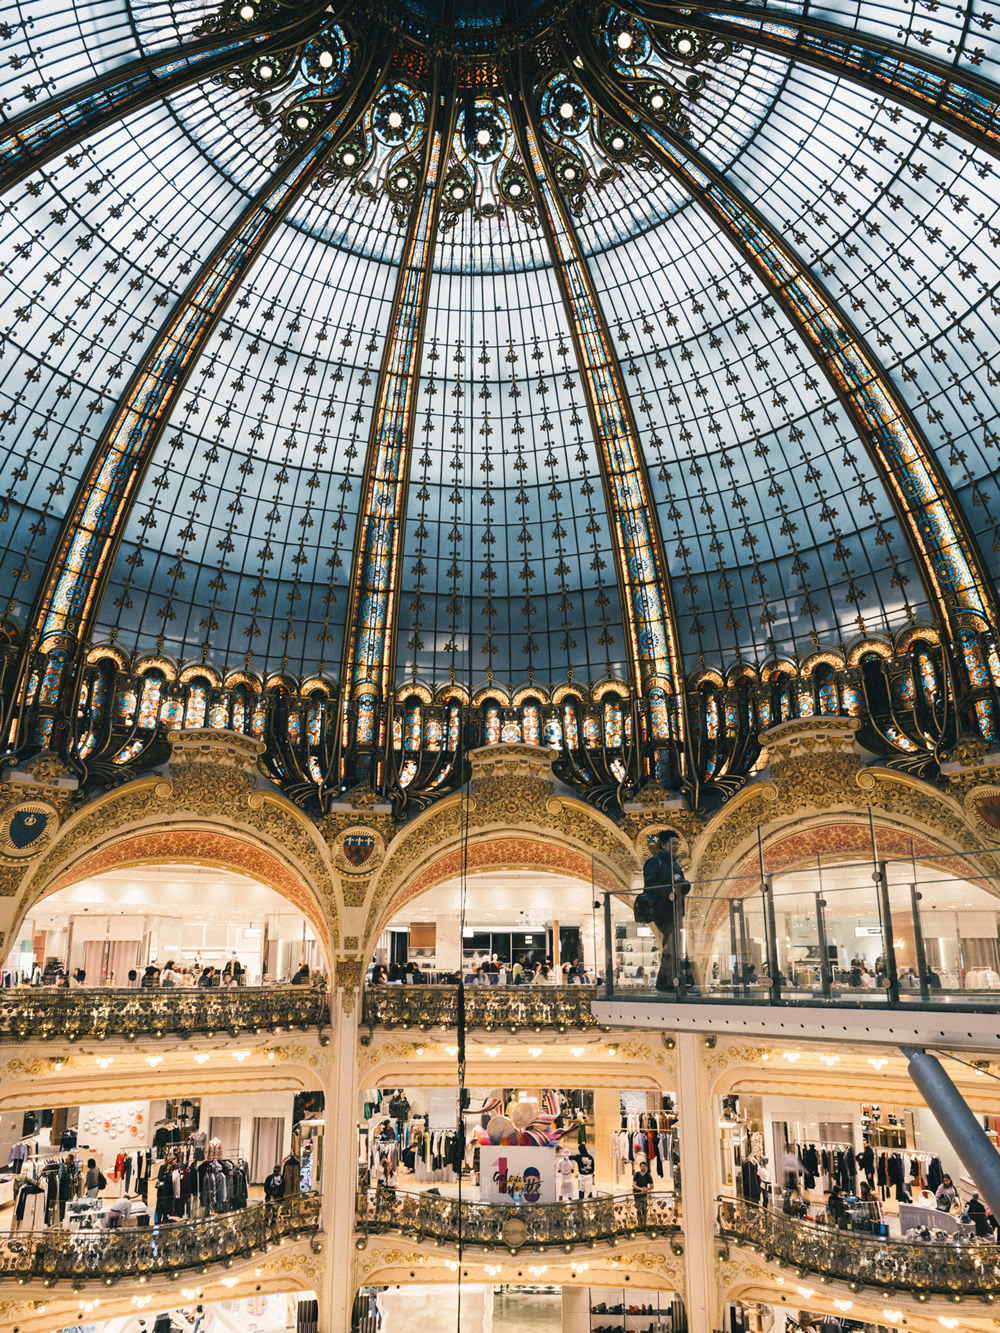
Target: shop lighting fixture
column 579, row 1268
column 241, row 1055
column 492, row 1051
column 493, row 1269
column 878, row 1064
column 894, row 1315
column 534, row 1052
column 154, row 1060
column 452, row 1050
column 418, row 1050
column 843, row 1306
column 948, row 1323
column 538, row 1271
column 830, row 1060
column 230, row 1281
column 791, row 1056
column 576, row 1050
column 806, row 1292
column 201, row 1058
column 612, row 1050
column 189, row 1294
column 105, row 1060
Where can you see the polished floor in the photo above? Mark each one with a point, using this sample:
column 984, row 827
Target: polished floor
column 514, row 1311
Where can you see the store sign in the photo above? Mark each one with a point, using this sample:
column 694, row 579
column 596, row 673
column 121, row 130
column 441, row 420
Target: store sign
column 517, row 1175
column 863, row 932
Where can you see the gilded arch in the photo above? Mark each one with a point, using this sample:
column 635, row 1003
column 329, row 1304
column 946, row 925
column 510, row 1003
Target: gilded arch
column 515, row 808
column 211, row 806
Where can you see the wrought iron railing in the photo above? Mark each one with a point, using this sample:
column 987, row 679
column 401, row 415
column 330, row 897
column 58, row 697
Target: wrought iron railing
column 63, row 1254
column 604, row 1217
column 515, row 1008
column 107, row 718
column 32, row 1013
column 953, row 1268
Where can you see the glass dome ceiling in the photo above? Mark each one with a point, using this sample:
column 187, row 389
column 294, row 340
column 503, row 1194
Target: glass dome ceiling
column 457, row 343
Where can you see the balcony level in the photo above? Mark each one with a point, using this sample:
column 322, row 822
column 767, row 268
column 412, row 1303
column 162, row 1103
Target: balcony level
column 40, row 1013
column 603, row 1219
column 206, row 1246
column 924, row 1270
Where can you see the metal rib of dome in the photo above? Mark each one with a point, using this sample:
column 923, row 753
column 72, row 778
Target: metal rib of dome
column 436, row 351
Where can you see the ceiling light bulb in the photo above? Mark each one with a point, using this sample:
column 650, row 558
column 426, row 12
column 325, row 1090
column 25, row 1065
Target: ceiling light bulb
column 326, row 59
column 458, row 192
column 401, row 182
column 482, row 137
column 301, row 122
column 618, row 143
column 685, row 46
column 656, row 101
column 349, row 159
column 247, row 12
column 515, row 191
column 395, row 120
column 266, row 71
column 566, row 111
column 570, row 173
column 624, row 41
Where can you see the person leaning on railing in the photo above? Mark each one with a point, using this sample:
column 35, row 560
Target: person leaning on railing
column 665, row 886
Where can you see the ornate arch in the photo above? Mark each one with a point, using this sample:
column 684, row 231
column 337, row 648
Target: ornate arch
column 819, row 798
column 515, row 815
column 210, row 807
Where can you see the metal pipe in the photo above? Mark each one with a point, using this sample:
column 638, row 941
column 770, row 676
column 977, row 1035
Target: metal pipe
column 958, row 1123
column 773, row 965
column 609, row 956
column 918, row 943
column 824, row 949
column 888, row 946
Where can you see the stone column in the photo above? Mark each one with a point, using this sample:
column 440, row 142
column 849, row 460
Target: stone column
column 699, row 1183
column 340, row 1151
column 607, row 1117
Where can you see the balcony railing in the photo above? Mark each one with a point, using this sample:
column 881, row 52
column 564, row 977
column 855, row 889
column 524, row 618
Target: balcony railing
column 540, row 1226
column 516, row 1008
column 60, row 1254
column 962, row 1268
column 39, row 1013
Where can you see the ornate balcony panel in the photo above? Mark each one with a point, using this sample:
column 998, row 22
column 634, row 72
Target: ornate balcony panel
column 954, row 1269
column 60, row 1254
column 33, row 1014
column 540, row 1226
column 515, row 1008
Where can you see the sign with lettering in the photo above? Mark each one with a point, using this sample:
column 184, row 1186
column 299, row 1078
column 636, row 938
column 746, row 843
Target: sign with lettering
column 517, row 1175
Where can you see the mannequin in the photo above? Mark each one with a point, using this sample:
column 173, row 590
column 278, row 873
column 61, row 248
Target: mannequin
column 585, row 1165
column 565, row 1176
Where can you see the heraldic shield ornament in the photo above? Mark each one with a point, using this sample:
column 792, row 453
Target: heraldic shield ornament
column 26, row 829
column 360, row 850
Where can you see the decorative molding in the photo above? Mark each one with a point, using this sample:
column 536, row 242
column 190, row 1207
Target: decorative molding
column 211, row 775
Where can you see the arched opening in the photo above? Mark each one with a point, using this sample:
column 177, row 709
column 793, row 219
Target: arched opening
column 834, row 929
column 113, row 923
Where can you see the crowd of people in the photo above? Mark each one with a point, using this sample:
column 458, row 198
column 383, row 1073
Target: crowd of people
column 492, row 971
column 173, row 973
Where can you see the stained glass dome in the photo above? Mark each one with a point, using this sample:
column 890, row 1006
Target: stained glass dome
column 511, row 350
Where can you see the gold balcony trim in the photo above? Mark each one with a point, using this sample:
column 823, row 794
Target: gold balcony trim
column 48, row 1013
column 492, row 1008
column 82, row 1256
column 967, row 1268
column 496, row 1226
